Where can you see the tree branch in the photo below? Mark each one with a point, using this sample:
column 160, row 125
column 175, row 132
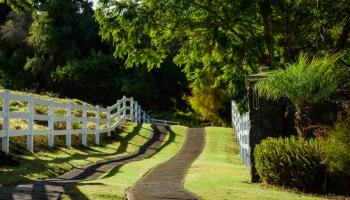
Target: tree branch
column 343, row 37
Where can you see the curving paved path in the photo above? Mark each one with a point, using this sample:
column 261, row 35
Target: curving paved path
column 52, row 189
column 166, row 180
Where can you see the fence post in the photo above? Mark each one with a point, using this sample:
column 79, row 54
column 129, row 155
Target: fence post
column 5, row 122
column 139, row 114
column 143, row 117
column 124, row 110
column 97, row 128
column 165, row 122
column 131, row 108
column 109, row 121
column 51, row 123
column 135, row 112
column 30, row 123
column 84, row 135
column 69, row 125
column 119, row 113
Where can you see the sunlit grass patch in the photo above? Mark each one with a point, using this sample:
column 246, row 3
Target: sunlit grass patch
column 219, row 174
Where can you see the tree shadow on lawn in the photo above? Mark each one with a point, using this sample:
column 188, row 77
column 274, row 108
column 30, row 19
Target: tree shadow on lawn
column 149, row 149
column 49, row 186
column 30, row 166
column 159, row 130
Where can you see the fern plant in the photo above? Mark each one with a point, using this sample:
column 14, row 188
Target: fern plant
column 304, row 82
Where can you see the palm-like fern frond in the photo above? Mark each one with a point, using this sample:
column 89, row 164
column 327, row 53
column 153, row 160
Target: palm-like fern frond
column 306, row 81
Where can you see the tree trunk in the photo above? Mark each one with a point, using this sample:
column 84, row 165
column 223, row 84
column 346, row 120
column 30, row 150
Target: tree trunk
column 302, row 118
column 298, row 121
column 341, row 42
column 265, row 10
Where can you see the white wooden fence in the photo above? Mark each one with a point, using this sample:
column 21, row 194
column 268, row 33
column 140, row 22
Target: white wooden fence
column 164, row 122
column 117, row 114
column 242, row 125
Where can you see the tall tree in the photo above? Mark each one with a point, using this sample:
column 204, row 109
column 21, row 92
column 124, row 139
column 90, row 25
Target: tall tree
column 224, row 38
column 54, row 46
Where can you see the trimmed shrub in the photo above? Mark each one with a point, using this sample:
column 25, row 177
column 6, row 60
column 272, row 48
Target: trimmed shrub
column 291, row 162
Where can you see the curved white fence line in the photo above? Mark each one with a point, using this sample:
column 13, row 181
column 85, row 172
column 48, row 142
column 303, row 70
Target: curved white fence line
column 117, row 114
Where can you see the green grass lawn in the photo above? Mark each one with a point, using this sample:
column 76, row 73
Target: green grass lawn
column 46, row 163
column 114, row 184
column 219, row 173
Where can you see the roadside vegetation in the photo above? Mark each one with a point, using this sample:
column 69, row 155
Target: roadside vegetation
column 317, row 160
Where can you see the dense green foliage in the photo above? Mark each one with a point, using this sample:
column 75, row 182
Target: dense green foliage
column 291, row 162
column 19, row 5
column 53, row 46
column 220, row 41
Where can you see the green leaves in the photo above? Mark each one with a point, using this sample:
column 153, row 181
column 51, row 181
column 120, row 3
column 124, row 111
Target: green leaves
column 209, row 103
column 306, row 81
column 197, row 33
column 19, row 5
column 218, row 42
column 338, row 145
column 42, row 32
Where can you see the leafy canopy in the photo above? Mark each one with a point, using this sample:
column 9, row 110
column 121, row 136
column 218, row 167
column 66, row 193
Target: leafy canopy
column 19, row 6
column 218, row 42
column 306, row 81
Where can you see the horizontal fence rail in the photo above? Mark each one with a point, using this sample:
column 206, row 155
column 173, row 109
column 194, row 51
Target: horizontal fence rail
column 79, row 119
column 242, row 125
column 164, row 122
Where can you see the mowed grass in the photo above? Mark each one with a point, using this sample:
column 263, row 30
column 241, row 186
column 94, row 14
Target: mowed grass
column 114, row 184
column 50, row 162
column 219, row 174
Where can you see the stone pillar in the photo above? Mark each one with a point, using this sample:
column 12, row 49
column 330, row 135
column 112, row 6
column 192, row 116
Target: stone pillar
column 267, row 119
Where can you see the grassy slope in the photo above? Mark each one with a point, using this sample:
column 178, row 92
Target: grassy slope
column 219, row 174
column 52, row 162
column 114, row 184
